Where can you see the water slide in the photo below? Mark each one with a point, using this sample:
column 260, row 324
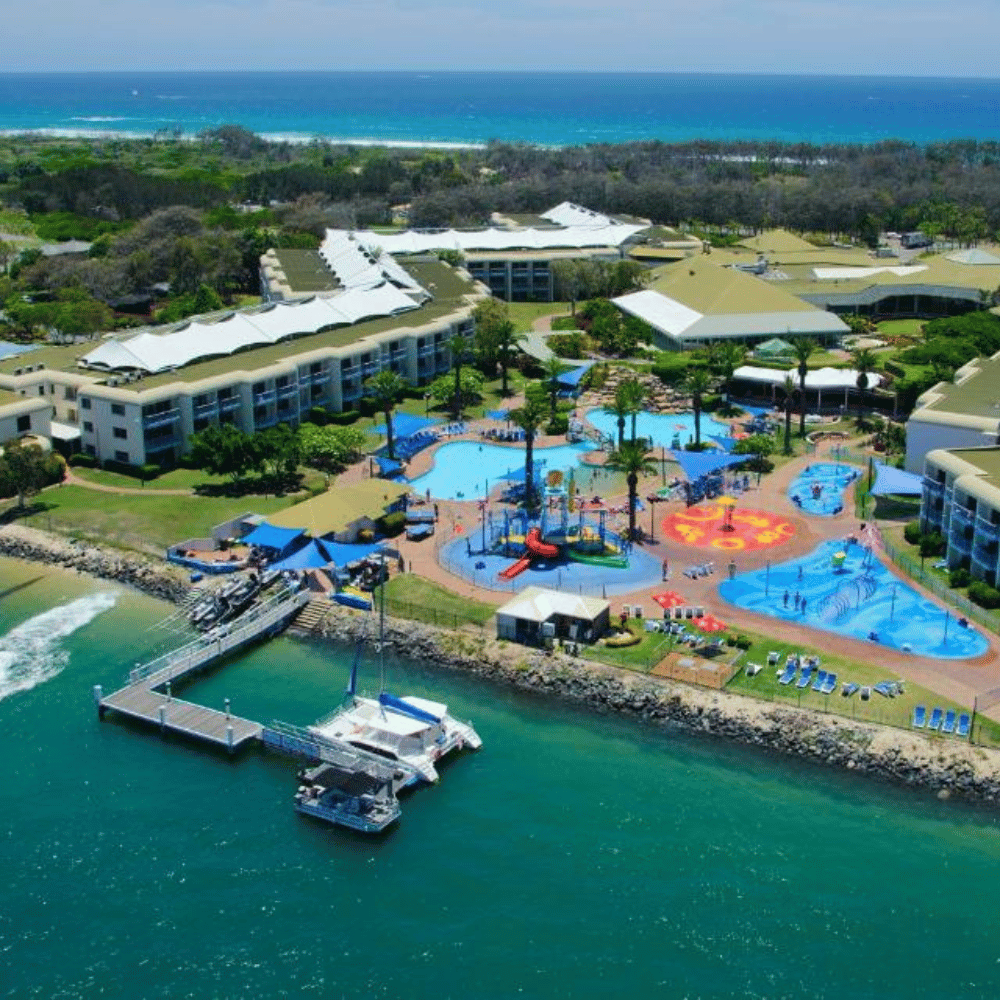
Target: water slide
column 534, row 544
column 515, row 568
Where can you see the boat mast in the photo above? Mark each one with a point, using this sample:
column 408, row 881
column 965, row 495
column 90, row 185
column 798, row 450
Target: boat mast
column 381, row 624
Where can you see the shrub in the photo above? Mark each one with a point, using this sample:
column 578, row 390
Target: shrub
column 559, row 424
column 342, row 419
column 912, row 532
column 563, row 323
column 742, row 642
column 318, row 415
column 83, row 461
column 958, row 578
column 984, row 595
column 392, row 524
column 931, row 545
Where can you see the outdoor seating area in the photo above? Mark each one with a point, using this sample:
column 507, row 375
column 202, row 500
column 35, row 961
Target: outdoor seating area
column 503, row 435
column 950, row 722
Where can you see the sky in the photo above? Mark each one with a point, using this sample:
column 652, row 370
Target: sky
column 841, row 37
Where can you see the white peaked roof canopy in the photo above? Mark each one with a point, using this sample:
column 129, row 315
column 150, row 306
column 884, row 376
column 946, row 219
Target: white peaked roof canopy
column 566, row 213
column 537, row 604
column 658, row 311
column 158, row 352
column 818, row 378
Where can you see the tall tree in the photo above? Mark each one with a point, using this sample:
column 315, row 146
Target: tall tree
column 619, row 409
column 697, row 383
column 553, row 369
column 458, row 346
column 385, row 388
column 496, row 340
column 25, row 469
column 789, row 387
column 225, row 450
column 632, row 459
column 865, row 363
column 804, row 348
column 730, row 355
column 635, row 398
column 529, row 418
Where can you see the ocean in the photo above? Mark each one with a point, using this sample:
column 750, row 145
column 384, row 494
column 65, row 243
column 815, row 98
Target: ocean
column 467, row 108
column 576, row 855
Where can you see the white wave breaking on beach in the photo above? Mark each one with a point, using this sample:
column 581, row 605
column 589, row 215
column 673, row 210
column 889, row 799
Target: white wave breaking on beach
column 33, row 653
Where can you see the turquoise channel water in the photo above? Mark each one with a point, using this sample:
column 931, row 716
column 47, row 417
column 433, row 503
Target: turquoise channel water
column 575, row 856
column 860, row 598
column 663, row 429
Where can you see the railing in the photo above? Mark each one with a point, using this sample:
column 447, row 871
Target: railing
column 262, row 398
column 984, row 557
column 291, row 389
column 160, row 419
column 227, row 403
column 206, row 409
column 987, row 528
column 960, row 515
column 933, row 487
column 311, row 378
column 960, row 543
column 221, row 640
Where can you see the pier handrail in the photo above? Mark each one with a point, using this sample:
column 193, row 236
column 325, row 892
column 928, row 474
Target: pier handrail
column 177, row 662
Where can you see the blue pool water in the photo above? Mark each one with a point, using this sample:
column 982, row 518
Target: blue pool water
column 661, row 428
column 820, row 487
column 860, row 599
column 462, row 469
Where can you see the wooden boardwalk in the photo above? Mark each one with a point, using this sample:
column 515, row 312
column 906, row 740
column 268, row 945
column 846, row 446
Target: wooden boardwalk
column 147, row 695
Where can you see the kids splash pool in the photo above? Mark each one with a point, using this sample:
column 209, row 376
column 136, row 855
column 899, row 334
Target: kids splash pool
column 462, row 469
column 819, row 488
column 842, row 587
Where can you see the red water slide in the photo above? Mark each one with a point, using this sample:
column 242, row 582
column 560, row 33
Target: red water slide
column 534, row 544
column 515, row 568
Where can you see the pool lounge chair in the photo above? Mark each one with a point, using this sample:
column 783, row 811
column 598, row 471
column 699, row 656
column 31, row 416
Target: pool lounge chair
column 919, row 717
column 850, row 688
column 805, row 678
column 936, row 715
column 963, row 725
column 752, row 669
column 829, row 685
column 789, row 675
column 820, row 680
column 948, row 726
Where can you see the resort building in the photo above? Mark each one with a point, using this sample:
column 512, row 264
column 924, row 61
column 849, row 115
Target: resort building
column 961, row 500
column 137, row 397
column 697, row 301
column 964, row 413
column 21, row 416
column 537, row 613
column 513, row 258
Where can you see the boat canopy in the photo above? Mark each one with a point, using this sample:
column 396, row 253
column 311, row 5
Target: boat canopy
column 406, row 708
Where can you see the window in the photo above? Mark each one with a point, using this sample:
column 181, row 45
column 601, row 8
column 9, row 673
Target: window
column 85, row 402
column 118, row 409
column 121, row 456
column 121, row 433
column 88, row 427
column 24, row 423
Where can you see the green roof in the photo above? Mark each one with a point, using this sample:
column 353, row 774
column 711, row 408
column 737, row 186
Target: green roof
column 701, row 284
column 976, row 396
column 306, row 271
column 776, row 241
column 6, row 398
column 987, row 459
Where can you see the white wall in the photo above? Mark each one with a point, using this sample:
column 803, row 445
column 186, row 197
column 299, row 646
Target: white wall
column 922, row 437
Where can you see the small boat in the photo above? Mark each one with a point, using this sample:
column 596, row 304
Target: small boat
column 355, row 799
column 350, row 597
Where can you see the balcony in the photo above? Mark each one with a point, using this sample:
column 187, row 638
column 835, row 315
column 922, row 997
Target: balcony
column 425, row 352
column 933, row 487
column 960, row 543
column 353, row 372
column 160, row 419
column 962, row 517
column 372, row 368
column 985, row 557
column 158, row 442
column 263, row 398
column 987, row 529
column 311, row 378
column 203, row 410
column 284, row 391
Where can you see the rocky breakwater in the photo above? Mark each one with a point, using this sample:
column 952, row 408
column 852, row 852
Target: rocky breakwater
column 149, row 575
column 945, row 767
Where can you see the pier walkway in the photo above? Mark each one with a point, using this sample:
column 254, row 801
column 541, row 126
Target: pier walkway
column 147, row 696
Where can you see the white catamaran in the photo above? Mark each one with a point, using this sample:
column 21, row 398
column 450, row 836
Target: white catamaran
column 413, row 730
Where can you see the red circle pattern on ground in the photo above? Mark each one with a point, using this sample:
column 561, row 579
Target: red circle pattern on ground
column 702, row 526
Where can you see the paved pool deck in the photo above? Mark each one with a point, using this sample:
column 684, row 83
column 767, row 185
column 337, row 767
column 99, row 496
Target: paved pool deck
column 958, row 680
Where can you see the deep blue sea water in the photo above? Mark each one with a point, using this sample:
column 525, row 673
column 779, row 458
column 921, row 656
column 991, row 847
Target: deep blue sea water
column 542, row 108
column 576, row 856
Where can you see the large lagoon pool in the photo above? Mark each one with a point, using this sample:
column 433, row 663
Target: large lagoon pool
column 463, row 469
column 662, row 428
column 859, row 598
column 819, row 488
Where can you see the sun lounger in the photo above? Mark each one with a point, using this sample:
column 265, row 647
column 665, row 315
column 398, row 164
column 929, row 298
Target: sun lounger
column 773, row 657
column 820, row 680
column 788, row 676
column 850, row 688
column 936, row 715
column 919, row 717
column 883, row 689
column 651, row 625
column 829, row 685
column 963, row 725
column 805, row 678
column 752, row 669
column 948, row 726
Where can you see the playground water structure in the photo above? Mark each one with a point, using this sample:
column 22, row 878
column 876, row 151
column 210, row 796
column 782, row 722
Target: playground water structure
column 819, row 488
column 665, row 430
column 464, row 470
column 855, row 596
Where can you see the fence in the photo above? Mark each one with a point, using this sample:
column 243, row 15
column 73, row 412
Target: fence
column 412, row 611
column 116, row 539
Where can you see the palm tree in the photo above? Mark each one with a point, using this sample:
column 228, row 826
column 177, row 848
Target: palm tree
column 696, row 383
column 529, row 418
column 619, row 409
column 507, row 342
column 789, row 393
column 730, row 355
column 385, row 388
column 635, row 396
column 865, row 363
column 458, row 345
column 553, row 369
column 632, row 459
column 804, row 347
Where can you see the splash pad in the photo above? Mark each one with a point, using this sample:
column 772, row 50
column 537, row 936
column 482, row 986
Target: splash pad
column 723, row 526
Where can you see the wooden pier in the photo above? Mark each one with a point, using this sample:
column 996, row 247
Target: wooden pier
column 147, row 695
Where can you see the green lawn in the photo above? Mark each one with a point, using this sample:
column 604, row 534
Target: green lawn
column 901, row 327
column 176, row 479
column 523, row 314
column 412, row 597
column 137, row 522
